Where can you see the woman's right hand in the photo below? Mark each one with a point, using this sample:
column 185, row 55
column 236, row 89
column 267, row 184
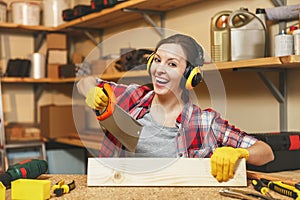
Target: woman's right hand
column 97, row 99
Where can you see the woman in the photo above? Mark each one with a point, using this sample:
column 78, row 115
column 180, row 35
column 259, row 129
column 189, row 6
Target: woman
column 173, row 126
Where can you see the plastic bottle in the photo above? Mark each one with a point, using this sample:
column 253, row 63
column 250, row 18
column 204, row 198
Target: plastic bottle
column 283, row 44
column 261, row 14
column 296, row 35
column 248, row 35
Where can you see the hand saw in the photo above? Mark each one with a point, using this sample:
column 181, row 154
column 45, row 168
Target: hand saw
column 118, row 122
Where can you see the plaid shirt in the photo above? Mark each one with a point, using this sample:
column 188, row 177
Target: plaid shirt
column 200, row 131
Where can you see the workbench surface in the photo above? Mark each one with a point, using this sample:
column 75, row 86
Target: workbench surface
column 83, row 192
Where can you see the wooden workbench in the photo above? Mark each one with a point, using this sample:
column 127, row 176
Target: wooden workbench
column 83, row 192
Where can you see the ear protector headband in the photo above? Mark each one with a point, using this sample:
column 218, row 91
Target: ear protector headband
column 192, row 75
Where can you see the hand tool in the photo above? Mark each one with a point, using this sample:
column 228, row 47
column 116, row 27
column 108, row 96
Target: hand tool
column 257, row 175
column 119, row 123
column 243, row 194
column 260, row 187
column 282, row 188
column 31, row 169
column 61, row 188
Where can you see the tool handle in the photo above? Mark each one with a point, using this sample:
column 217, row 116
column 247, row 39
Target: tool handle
column 111, row 103
column 284, row 189
column 258, row 186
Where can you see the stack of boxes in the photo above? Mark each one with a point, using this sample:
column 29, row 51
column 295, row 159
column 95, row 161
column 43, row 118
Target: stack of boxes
column 57, row 53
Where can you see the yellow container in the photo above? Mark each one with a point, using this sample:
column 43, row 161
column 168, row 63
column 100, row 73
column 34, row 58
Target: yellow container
column 29, row 189
column 2, row 191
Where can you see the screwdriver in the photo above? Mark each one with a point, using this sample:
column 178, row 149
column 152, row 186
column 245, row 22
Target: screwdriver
column 282, row 188
column 260, row 187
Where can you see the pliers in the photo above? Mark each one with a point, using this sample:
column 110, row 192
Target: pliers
column 61, row 188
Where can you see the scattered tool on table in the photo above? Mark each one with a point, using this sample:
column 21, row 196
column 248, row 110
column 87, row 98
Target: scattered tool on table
column 282, row 188
column 243, row 194
column 61, row 188
column 30, row 169
column 261, row 187
column 256, row 175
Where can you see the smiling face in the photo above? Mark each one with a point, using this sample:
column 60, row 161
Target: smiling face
column 167, row 69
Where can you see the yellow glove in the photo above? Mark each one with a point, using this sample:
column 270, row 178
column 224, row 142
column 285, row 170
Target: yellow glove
column 223, row 162
column 97, row 99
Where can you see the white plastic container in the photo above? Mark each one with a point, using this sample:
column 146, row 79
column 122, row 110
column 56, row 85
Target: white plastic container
column 247, row 35
column 3, row 11
column 284, row 44
column 38, row 65
column 296, row 35
column 53, row 12
column 26, row 13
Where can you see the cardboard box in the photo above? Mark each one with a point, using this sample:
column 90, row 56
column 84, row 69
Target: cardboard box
column 57, row 56
column 21, row 132
column 53, row 71
column 56, row 41
column 57, row 121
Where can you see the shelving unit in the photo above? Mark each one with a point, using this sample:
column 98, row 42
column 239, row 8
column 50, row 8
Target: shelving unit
column 122, row 13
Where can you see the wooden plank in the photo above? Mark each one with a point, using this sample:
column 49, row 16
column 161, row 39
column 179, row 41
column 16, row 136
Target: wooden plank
column 291, row 61
column 115, row 15
column 158, row 172
column 286, row 62
column 111, row 12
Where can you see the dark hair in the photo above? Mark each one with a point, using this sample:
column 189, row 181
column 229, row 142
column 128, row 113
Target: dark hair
column 192, row 49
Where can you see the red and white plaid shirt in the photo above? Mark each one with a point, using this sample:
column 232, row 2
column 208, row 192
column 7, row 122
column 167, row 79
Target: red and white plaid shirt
column 200, row 131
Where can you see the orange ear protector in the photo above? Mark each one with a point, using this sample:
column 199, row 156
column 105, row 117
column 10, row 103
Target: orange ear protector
column 191, row 76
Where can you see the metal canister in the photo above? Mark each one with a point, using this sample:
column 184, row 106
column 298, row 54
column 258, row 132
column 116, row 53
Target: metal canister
column 296, row 35
column 284, row 44
column 220, row 38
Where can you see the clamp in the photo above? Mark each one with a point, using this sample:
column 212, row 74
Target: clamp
column 61, row 188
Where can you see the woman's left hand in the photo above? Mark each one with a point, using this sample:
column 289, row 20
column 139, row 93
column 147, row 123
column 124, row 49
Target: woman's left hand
column 223, row 162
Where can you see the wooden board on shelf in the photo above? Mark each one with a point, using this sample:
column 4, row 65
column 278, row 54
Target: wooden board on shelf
column 85, row 140
column 158, row 172
column 116, row 16
column 40, row 80
column 15, row 28
column 166, row 5
column 291, row 61
column 286, row 62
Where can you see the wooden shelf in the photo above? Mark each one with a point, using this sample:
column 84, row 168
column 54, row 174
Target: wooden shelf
column 116, row 16
column 289, row 62
column 105, row 18
column 292, row 61
column 17, row 28
column 114, row 76
column 32, row 80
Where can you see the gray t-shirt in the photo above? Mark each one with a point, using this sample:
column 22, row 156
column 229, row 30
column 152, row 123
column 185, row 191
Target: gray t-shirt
column 155, row 140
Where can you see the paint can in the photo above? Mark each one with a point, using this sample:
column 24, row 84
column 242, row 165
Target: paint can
column 284, row 44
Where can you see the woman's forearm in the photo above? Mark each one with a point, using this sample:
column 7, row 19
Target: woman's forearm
column 85, row 84
column 260, row 153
